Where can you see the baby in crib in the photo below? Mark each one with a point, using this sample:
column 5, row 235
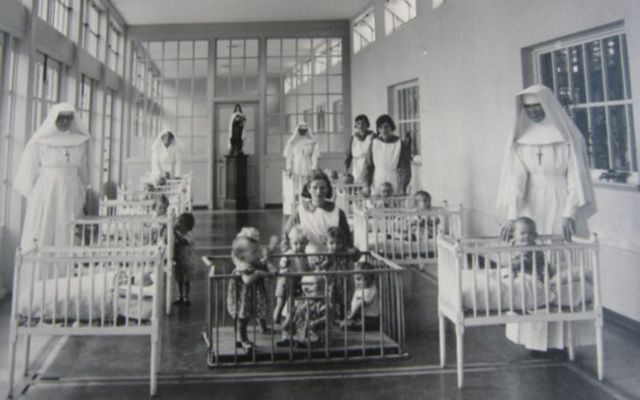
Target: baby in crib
column 297, row 262
column 160, row 205
column 184, row 262
column 247, row 294
column 525, row 234
column 422, row 200
column 347, row 179
column 384, row 197
column 306, row 324
column 365, row 306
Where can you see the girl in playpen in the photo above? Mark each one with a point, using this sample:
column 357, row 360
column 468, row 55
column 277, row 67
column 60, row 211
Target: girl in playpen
column 365, row 307
column 315, row 214
column 184, row 257
column 247, row 294
column 296, row 262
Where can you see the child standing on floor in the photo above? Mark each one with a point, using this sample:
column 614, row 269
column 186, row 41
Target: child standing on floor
column 295, row 262
column 247, row 294
column 183, row 256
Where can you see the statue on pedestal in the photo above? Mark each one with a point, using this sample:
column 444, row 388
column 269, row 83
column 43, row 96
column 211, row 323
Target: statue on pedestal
column 236, row 131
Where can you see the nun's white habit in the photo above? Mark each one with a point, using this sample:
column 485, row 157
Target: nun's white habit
column 165, row 159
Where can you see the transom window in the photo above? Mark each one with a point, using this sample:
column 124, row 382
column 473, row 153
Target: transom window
column 364, row 30
column 590, row 77
column 114, row 48
column 56, row 13
column 398, row 13
column 405, row 107
column 85, row 101
column 236, row 67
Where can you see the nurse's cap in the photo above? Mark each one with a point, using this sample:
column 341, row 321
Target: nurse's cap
column 530, row 98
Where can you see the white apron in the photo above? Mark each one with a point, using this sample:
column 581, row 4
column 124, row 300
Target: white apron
column 315, row 223
column 385, row 159
column 359, row 150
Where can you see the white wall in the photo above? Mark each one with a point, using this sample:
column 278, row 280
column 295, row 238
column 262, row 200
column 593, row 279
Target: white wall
column 468, row 58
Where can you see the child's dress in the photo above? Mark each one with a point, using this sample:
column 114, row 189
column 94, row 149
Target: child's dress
column 246, row 301
column 307, row 311
column 291, row 264
column 370, row 307
column 184, row 257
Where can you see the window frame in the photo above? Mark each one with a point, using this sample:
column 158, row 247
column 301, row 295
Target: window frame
column 388, row 11
column 395, row 108
column 88, row 31
column 360, row 40
column 582, row 40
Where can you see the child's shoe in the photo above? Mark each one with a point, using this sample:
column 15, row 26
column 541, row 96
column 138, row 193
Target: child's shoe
column 178, row 302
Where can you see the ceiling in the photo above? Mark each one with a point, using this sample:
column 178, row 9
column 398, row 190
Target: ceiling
column 143, row 12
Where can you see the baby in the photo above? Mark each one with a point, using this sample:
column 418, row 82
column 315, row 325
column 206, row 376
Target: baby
column 184, row 256
column 365, row 307
column 525, row 234
column 307, row 323
column 247, row 294
column 296, row 262
column 160, row 205
column 422, row 200
column 384, row 198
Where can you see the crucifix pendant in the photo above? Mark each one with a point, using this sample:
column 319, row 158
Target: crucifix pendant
column 539, row 154
column 66, row 154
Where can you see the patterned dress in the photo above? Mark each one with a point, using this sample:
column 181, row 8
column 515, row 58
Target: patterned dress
column 247, row 301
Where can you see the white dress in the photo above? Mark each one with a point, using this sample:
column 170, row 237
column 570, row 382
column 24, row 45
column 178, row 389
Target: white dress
column 315, row 221
column 58, row 195
column 359, row 151
column 541, row 176
column 301, row 161
column 165, row 159
column 386, row 156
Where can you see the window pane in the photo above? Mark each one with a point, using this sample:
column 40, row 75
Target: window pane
column 581, row 120
column 612, row 60
column 273, row 47
column 599, row 137
column 170, row 50
column 625, row 58
column 619, row 138
column 578, row 95
column 546, row 70
column 202, row 49
column 594, row 71
column 186, row 49
column 632, row 145
column 252, row 48
column 223, row 48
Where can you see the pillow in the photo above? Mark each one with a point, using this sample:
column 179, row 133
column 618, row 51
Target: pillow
column 482, row 290
column 576, row 295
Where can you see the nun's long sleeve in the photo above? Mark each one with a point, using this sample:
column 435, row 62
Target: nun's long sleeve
column 572, row 203
column 519, row 177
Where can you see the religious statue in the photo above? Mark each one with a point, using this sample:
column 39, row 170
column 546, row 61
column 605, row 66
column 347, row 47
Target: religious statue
column 236, row 131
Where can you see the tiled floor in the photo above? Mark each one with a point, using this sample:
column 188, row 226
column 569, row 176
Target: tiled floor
column 106, row 367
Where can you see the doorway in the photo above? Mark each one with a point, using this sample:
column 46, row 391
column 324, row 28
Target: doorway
column 223, row 111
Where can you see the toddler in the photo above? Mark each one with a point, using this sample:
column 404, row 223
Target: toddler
column 365, row 307
column 306, row 324
column 183, row 256
column 296, row 262
column 384, row 198
column 525, row 234
column 247, row 293
column 160, row 205
column 422, row 200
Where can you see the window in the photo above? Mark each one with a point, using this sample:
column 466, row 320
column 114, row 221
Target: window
column 114, row 48
column 236, row 67
column 85, row 102
column 56, row 13
column 364, row 31
column 46, row 89
column 177, row 91
column 405, row 107
column 91, row 30
column 590, row 77
column 304, row 76
column 105, row 168
column 398, row 13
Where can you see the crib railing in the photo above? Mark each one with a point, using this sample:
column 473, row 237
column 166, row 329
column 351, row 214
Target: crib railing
column 489, row 282
column 119, row 207
column 338, row 342
column 352, row 203
column 406, row 236
column 86, row 291
column 129, row 232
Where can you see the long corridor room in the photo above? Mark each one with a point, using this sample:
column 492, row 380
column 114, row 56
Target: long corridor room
column 310, row 199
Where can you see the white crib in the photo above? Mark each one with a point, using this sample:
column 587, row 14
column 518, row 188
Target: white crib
column 86, row 291
column 177, row 190
column 480, row 283
column 130, row 232
column 407, row 237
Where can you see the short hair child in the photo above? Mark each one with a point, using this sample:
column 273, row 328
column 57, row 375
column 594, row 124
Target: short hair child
column 161, row 205
column 525, row 234
column 364, row 303
column 422, row 200
column 184, row 256
column 247, row 294
column 293, row 263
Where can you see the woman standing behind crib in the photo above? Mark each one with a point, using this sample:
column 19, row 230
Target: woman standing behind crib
column 389, row 157
column 545, row 177
column 165, row 156
column 53, row 175
column 315, row 214
column 358, row 148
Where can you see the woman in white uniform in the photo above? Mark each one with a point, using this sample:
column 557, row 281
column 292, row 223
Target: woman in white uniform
column 389, row 158
column 301, row 155
column 358, row 149
column 165, row 156
column 545, row 177
column 53, row 175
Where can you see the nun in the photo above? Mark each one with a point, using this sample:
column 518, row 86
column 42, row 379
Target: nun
column 545, row 176
column 53, row 175
column 301, row 156
column 165, row 156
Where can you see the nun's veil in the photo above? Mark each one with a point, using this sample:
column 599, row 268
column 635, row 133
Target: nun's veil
column 557, row 116
column 158, row 143
column 296, row 137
